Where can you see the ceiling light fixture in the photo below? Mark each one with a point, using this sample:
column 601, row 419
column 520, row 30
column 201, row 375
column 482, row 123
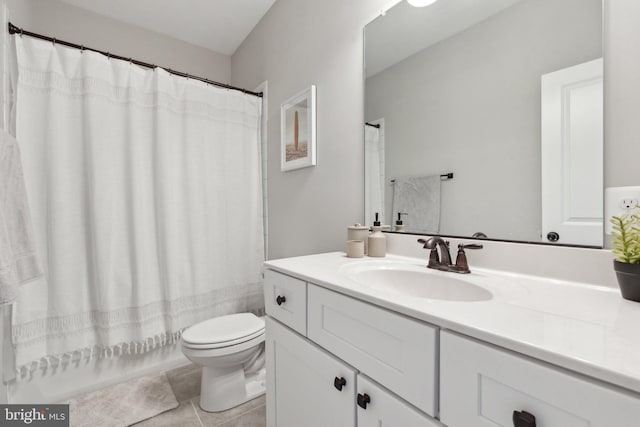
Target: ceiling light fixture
column 421, row 3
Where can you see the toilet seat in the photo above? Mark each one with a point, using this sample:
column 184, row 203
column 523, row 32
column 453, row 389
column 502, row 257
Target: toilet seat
column 229, row 343
column 204, row 352
column 224, row 331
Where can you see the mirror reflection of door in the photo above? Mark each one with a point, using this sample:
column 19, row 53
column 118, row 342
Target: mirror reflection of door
column 572, row 146
column 374, row 181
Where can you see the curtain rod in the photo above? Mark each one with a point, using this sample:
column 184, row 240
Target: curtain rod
column 377, row 126
column 16, row 30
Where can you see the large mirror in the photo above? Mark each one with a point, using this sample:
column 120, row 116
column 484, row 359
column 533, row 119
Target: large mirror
column 484, row 117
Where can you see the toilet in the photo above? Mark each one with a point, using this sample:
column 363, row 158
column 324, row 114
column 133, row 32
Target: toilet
column 230, row 350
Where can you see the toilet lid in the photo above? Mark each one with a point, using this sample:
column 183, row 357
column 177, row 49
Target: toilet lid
column 223, row 329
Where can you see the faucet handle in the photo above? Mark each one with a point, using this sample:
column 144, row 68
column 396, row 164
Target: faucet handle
column 434, row 258
column 462, row 265
column 470, row 246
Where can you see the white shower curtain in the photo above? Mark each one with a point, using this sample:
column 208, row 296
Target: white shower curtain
column 146, row 198
column 374, row 172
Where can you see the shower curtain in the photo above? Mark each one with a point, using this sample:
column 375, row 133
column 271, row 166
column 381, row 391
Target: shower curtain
column 374, row 172
column 146, row 199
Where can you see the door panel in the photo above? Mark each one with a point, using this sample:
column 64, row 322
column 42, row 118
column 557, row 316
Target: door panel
column 572, row 155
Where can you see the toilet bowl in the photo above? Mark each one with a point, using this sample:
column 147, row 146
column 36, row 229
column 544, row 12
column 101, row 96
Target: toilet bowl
column 230, row 350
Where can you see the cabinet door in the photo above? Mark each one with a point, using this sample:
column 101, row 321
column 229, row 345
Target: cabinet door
column 378, row 407
column 302, row 389
column 482, row 386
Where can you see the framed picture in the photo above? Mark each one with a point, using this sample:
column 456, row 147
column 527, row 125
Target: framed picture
column 298, row 130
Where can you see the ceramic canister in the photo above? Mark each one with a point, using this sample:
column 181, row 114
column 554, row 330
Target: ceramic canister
column 359, row 232
column 355, row 248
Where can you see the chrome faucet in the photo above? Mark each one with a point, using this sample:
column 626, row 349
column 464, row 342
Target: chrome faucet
column 442, row 261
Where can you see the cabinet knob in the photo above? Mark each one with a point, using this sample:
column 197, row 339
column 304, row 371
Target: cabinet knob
column 363, row 399
column 281, row 299
column 552, row 236
column 339, row 382
column 523, row 419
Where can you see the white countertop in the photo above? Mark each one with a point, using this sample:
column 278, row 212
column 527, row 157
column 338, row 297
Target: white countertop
column 584, row 328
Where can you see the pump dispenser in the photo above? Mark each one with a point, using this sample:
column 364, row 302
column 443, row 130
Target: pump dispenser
column 377, row 241
column 399, row 224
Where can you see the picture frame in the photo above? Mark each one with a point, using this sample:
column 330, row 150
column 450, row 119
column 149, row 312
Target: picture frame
column 298, row 130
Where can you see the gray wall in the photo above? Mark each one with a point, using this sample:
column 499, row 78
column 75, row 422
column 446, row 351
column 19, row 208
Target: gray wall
column 296, row 44
column 471, row 105
column 69, row 23
column 308, row 209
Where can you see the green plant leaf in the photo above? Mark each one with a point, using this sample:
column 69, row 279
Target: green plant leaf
column 626, row 236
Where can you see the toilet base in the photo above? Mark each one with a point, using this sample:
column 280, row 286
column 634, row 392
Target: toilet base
column 225, row 389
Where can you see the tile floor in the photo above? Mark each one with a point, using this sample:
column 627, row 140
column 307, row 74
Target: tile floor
column 185, row 383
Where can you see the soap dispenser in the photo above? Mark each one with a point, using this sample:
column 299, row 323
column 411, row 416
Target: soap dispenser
column 377, row 241
column 399, row 224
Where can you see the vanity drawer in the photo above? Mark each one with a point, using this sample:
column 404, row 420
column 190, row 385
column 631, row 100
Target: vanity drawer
column 391, row 349
column 285, row 299
column 482, row 386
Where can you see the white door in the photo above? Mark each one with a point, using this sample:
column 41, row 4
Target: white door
column 572, row 155
column 378, row 407
column 305, row 385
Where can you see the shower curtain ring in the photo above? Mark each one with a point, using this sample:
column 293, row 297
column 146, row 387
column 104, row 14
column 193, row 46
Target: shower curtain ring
column 54, row 41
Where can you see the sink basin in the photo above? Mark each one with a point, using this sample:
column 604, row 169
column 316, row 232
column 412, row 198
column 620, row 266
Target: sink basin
column 415, row 281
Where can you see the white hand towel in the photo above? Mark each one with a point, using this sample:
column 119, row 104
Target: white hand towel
column 18, row 262
column 419, row 197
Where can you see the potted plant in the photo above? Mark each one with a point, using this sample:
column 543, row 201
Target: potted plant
column 626, row 244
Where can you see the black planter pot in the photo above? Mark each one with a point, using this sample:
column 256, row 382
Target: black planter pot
column 628, row 279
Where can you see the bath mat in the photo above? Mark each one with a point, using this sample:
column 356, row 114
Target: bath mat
column 123, row 404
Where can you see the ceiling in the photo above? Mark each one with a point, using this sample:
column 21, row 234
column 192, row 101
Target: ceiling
column 217, row 25
column 405, row 30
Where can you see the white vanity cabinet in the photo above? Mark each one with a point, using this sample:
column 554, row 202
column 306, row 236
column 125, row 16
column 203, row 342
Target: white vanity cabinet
column 314, row 382
column 482, row 386
column 334, row 360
